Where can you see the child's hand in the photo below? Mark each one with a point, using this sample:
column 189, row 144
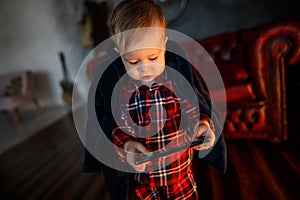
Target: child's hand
column 205, row 130
column 133, row 148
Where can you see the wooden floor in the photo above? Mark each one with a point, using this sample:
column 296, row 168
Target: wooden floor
column 48, row 166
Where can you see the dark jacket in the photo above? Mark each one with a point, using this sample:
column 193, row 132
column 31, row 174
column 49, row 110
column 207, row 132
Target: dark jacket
column 115, row 70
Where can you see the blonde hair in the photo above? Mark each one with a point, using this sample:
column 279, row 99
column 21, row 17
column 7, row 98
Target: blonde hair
column 135, row 14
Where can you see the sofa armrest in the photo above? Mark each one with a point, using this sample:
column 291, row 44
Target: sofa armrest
column 275, row 46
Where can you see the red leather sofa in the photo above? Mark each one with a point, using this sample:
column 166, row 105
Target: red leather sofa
column 252, row 63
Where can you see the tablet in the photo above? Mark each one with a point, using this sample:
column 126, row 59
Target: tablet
column 157, row 154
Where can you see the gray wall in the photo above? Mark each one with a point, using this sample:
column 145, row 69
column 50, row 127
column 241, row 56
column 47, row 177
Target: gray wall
column 204, row 18
column 32, row 32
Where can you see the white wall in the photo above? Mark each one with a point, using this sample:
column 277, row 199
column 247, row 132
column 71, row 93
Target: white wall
column 32, row 32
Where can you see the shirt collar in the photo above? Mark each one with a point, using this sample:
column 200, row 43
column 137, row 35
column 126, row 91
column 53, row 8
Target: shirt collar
column 132, row 85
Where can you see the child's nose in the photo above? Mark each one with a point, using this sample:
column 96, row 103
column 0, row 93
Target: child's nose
column 145, row 66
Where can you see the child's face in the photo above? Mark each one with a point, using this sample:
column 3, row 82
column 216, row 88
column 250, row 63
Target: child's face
column 148, row 61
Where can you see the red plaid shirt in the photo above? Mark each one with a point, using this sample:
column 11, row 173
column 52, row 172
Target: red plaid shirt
column 152, row 116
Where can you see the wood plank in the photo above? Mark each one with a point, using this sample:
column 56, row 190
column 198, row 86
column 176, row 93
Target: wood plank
column 251, row 172
column 280, row 176
column 38, row 164
column 52, row 175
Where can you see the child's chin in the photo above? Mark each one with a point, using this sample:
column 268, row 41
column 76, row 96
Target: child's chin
column 147, row 79
column 148, row 83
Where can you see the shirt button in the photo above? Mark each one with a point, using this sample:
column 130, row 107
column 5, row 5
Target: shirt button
column 149, row 119
column 150, row 94
column 142, row 140
column 150, row 146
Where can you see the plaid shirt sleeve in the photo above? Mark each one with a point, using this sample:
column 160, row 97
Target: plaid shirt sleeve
column 122, row 133
column 194, row 118
column 120, row 137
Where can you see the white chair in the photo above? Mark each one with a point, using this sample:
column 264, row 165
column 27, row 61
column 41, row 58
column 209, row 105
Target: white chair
column 17, row 90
